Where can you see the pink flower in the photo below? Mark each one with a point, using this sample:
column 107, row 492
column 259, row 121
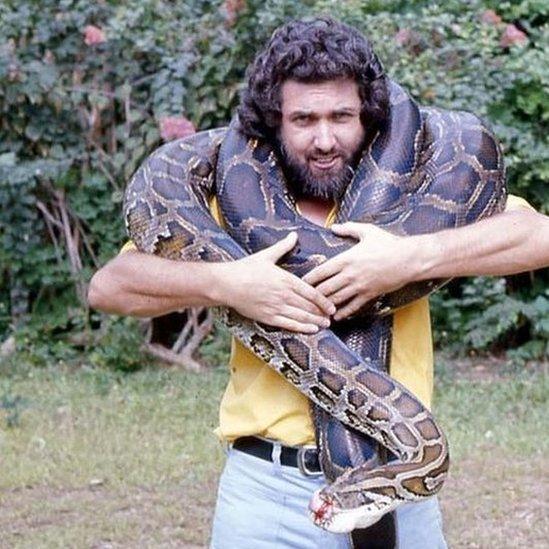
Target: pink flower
column 410, row 40
column 512, row 36
column 403, row 37
column 93, row 35
column 490, row 17
column 233, row 8
column 174, row 127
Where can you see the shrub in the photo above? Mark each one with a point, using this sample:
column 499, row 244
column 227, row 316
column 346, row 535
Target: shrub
column 86, row 89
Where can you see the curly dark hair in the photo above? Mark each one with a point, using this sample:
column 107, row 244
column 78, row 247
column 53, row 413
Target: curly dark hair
column 311, row 50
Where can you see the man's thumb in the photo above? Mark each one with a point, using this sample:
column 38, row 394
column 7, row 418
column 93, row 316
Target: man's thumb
column 276, row 251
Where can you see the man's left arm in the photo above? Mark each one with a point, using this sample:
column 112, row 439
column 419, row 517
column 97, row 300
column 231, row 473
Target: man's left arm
column 514, row 241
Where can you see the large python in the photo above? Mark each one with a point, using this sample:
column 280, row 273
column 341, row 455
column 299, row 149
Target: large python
column 426, row 169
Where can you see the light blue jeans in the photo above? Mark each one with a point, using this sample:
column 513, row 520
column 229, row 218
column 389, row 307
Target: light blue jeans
column 263, row 505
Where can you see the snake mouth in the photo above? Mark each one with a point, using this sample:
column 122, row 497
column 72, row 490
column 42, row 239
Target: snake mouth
column 321, row 510
column 324, row 512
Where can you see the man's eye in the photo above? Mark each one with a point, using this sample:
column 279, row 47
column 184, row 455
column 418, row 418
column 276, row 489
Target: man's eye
column 342, row 116
column 303, row 119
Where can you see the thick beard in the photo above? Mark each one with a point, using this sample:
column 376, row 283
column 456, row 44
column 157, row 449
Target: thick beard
column 304, row 184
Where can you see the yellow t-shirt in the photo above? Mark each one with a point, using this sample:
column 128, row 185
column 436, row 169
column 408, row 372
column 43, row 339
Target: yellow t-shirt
column 258, row 401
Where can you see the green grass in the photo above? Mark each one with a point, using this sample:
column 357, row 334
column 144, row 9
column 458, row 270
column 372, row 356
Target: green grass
column 139, row 429
column 509, row 413
column 93, row 456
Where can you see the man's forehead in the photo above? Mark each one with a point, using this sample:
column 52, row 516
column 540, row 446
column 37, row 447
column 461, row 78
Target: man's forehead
column 335, row 94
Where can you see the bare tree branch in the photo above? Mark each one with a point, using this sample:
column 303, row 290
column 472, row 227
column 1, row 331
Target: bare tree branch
column 50, row 223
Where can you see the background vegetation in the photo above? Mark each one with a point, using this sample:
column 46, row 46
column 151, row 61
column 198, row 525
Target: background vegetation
column 87, row 90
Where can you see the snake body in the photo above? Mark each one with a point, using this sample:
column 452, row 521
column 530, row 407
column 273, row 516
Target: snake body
column 425, row 170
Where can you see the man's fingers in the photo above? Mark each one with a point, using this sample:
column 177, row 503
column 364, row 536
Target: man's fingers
column 276, row 251
column 285, row 323
column 351, row 308
column 314, row 296
column 305, row 317
column 343, row 295
column 332, row 285
column 296, row 300
column 322, row 272
column 355, row 230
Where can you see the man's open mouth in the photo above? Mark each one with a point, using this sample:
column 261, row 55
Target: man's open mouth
column 325, row 162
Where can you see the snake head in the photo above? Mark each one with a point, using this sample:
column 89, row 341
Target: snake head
column 325, row 512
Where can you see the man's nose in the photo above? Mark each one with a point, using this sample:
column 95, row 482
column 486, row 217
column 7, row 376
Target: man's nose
column 324, row 138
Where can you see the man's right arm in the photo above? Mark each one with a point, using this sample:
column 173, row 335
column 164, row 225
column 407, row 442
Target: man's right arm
column 138, row 284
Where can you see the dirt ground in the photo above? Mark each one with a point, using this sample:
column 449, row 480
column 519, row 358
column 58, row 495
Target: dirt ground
column 494, row 503
column 100, row 518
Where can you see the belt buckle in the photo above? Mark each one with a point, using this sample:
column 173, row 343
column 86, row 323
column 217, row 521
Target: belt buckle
column 302, row 465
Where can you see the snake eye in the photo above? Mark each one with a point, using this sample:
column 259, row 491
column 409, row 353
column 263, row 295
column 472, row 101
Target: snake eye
column 202, row 168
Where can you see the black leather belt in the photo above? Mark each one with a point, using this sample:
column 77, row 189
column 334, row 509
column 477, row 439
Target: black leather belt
column 304, row 458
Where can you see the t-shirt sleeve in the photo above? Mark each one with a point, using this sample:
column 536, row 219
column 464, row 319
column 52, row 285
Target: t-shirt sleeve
column 516, row 203
column 129, row 246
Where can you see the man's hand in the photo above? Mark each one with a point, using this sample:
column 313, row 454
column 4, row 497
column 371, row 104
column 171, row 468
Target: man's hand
column 144, row 285
column 258, row 289
column 379, row 263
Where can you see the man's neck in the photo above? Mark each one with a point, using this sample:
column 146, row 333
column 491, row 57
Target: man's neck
column 315, row 210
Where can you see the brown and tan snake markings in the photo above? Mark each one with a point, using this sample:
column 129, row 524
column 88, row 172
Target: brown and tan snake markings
column 425, row 170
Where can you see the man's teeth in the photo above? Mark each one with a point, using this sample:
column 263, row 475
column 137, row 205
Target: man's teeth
column 325, row 161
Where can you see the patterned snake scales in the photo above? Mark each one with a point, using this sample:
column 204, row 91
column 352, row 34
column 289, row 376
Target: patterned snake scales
column 425, row 170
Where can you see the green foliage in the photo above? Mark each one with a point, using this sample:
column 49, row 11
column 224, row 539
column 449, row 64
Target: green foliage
column 77, row 118
column 11, row 406
column 215, row 348
column 120, row 347
column 484, row 317
column 43, row 340
column 65, row 337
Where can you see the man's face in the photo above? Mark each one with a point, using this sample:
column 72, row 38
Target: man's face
column 321, row 135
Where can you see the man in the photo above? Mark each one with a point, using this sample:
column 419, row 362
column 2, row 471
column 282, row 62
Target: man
column 316, row 92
